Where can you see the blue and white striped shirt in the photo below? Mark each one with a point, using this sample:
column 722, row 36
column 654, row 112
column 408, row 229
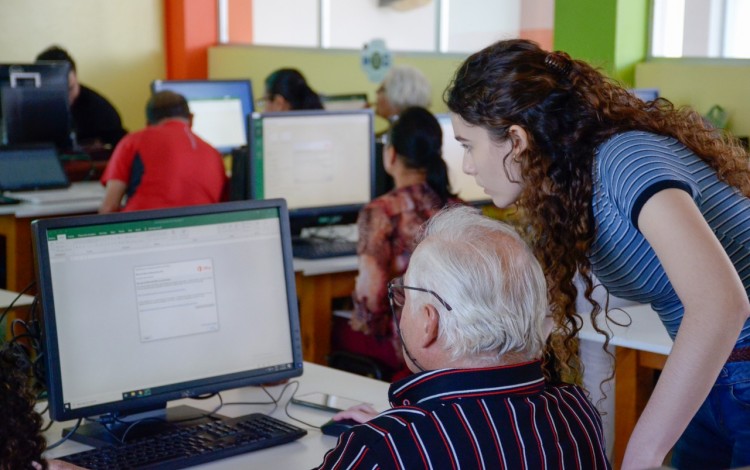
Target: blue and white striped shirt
column 497, row 418
column 630, row 168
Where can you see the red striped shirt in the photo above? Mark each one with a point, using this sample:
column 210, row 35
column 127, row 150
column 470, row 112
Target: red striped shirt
column 503, row 417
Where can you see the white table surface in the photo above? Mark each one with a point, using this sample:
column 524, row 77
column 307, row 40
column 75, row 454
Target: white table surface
column 6, row 297
column 306, row 452
column 89, row 192
column 644, row 333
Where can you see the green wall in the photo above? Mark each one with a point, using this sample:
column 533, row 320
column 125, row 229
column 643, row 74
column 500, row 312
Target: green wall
column 702, row 84
column 609, row 34
column 327, row 71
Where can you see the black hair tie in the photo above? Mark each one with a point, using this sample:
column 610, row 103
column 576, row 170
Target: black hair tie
column 559, row 63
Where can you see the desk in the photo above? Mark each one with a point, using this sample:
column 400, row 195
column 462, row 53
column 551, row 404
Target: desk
column 318, row 283
column 15, row 226
column 21, row 303
column 303, row 453
column 640, row 349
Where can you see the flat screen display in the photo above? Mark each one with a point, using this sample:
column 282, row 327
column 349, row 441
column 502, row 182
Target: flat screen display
column 220, row 109
column 145, row 307
column 319, row 161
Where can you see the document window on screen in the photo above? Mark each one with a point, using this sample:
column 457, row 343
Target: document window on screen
column 316, row 160
column 169, row 300
column 220, row 122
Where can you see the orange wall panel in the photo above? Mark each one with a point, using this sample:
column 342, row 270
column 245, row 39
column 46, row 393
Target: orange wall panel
column 240, row 21
column 191, row 27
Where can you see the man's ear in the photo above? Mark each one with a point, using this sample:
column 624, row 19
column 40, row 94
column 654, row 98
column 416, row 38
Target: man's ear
column 430, row 325
column 519, row 138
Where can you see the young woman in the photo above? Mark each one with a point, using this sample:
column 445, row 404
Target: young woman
column 387, row 229
column 647, row 197
column 287, row 90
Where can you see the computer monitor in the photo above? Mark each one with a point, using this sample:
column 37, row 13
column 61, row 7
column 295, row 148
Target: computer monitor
column 141, row 308
column 35, row 75
column 220, row 109
column 646, row 94
column 31, row 167
column 35, row 106
column 344, row 102
column 36, row 115
column 320, row 161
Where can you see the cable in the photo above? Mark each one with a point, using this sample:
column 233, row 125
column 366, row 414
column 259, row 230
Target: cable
column 286, row 407
column 67, row 436
column 13, row 302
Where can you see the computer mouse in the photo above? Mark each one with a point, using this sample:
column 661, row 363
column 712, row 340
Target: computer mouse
column 335, row 428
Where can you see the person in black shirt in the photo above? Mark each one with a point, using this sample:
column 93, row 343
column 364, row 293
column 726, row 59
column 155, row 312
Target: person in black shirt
column 96, row 122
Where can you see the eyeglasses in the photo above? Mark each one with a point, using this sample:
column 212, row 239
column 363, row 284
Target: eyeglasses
column 397, row 297
column 261, row 103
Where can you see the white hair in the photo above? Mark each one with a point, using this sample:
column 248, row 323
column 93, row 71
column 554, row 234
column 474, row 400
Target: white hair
column 488, row 275
column 406, row 86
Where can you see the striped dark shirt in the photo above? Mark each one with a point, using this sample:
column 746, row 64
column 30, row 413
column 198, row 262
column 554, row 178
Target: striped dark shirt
column 628, row 170
column 498, row 418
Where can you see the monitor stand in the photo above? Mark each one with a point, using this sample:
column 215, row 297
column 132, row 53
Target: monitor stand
column 150, row 423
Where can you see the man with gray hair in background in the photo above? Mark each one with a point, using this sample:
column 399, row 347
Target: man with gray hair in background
column 471, row 309
column 404, row 86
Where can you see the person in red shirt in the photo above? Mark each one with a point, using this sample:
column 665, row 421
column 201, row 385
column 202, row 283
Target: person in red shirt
column 165, row 164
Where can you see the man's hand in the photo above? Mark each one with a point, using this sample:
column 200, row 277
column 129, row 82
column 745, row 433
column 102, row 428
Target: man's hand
column 361, row 413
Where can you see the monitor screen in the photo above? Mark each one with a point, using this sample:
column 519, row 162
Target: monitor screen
column 645, row 94
column 220, row 109
column 319, row 161
column 344, row 102
column 145, row 307
column 462, row 184
column 29, row 167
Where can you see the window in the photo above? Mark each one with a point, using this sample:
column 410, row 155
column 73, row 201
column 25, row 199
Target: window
column 700, row 28
column 405, row 25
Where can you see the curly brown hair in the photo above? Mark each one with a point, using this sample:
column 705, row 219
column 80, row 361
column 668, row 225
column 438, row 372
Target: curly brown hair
column 21, row 442
column 568, row 109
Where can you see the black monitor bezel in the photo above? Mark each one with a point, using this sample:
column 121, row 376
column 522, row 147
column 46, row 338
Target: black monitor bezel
column 247, row 110
column 52, row 72
column 304, row 217
column 53, row 79
column 46, row 108
column 189, row 389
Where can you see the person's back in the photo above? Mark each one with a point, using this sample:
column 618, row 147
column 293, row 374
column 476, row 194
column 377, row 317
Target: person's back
column 387, row 228
column 504, row 417
column 165, row 164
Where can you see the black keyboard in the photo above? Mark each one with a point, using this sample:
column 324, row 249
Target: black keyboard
column 316, row 248
column 192, row 445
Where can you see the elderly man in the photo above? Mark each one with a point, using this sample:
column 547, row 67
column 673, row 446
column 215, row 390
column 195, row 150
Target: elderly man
column 471, row 309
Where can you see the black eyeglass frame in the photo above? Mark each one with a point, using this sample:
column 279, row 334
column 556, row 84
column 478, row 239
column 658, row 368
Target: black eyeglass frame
column 396, row 309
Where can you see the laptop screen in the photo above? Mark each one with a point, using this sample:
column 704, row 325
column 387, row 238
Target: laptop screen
column 31, row 167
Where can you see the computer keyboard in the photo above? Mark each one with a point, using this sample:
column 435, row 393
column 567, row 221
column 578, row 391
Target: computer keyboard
column 192, row 445
column 316, row 248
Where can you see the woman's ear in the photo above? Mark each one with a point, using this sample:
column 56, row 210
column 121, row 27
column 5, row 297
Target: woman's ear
column 519, row 138
column 389, row 157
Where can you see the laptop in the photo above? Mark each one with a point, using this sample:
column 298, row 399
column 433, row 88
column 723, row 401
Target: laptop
column 30, row 168
column 33, row 173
